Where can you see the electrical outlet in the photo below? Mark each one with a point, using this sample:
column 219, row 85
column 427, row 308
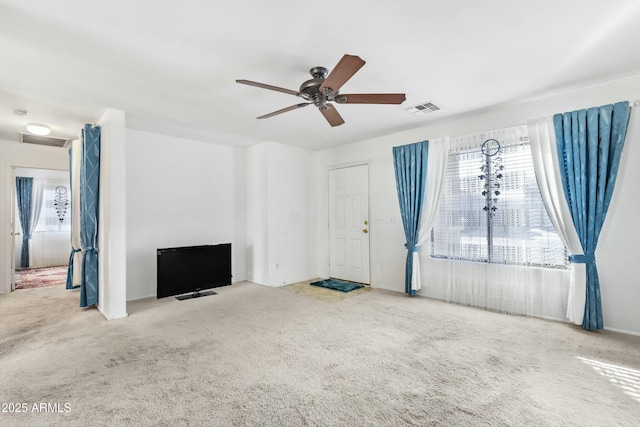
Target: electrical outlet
column 392, row 220
column 379, row 220
column 277, row 265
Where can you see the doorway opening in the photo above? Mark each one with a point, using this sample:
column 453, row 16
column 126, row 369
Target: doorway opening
column 42, row 231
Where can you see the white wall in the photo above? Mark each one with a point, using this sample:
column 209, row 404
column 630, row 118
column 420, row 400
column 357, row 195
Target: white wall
column 385, row 226
column 239, row 249
column 180, row 193
column 291, row 215
column 112, row 224
column 617, row 249
column 14, row 154
column 281, row 223
column 620, row 236
column 257, row 236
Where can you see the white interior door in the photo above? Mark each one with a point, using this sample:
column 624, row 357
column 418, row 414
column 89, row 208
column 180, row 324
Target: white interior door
column 349, row 223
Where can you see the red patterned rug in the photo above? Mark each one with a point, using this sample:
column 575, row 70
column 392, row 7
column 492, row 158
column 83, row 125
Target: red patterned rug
column 38, row 277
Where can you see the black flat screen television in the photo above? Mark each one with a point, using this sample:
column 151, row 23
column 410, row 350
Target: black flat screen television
column 193, row 269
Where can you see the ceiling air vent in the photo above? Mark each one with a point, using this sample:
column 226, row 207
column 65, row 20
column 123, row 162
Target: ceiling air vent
column 424, row 108
column 42, row 140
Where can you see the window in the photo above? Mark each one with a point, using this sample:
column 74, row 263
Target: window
column 491, row 209
column 55, row 214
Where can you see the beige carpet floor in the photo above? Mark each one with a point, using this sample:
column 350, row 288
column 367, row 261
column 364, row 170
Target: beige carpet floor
column 258, row 356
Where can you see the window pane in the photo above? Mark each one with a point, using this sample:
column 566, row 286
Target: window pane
column 508, row 224
column 522, row 231
column 460, row 231
column 49, row 219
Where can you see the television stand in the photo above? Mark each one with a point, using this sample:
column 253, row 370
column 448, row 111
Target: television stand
column 196, row 294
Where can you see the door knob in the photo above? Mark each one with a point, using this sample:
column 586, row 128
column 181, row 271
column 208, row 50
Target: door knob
column 366, row 230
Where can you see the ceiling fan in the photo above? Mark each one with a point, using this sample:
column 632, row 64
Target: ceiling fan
column 324, row 88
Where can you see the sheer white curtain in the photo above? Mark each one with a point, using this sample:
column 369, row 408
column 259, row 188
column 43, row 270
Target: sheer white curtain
column 47, row 249
column 36, row 208
column 546, row 164
column 76, row 160
column 513, row 289
column 436, row 168
column 518, row 280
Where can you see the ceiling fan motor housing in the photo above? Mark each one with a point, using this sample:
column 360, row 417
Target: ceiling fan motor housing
column 319, row 72
column 310, row 90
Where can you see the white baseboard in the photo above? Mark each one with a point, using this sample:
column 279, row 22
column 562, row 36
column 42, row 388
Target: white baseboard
column 115, row 316
column 155, row 295
column 119, row 316
column 139, row 297
column 623, row 331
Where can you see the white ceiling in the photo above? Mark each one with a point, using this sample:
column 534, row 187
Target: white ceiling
column 172, row 65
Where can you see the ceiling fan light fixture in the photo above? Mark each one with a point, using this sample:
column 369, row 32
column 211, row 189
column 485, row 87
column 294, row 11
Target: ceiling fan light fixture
column 38, row 129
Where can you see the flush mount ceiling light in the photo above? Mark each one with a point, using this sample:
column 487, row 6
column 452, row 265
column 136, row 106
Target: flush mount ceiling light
column 38, row 129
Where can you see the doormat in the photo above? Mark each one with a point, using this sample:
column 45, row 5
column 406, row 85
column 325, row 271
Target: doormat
column 338, row 285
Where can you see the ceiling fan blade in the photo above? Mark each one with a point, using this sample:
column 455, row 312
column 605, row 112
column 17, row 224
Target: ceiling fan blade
column 371, row 98
column 331, row 114
column 270, row 87
column 343, row 71
column 284, row 110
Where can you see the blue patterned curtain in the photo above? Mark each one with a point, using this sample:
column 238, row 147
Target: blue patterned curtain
column 24, row 192
column 89, row 192
column 590, row 144
column 410, row 163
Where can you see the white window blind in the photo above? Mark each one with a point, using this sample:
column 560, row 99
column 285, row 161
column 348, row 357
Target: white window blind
column 50, row 219
column 491, row 209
